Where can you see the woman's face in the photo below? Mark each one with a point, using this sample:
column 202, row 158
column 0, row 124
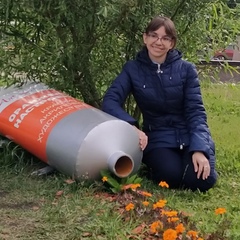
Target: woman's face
column 158, row 44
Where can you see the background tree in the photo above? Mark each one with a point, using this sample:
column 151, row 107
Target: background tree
column 79, row 46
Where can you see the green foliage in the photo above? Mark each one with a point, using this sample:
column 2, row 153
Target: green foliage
column 116, row 184
column 80, row 46
column 212, row 27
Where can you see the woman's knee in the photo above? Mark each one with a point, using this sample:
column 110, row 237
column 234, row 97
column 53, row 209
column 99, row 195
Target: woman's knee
column 164, row 165
column 160, row 172
column 190, row 180
column 194, row 183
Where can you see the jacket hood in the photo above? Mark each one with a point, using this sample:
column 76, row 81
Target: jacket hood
column 172, row 56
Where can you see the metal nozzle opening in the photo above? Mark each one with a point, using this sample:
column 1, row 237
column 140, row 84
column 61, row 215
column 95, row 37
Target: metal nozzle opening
column 123, row 166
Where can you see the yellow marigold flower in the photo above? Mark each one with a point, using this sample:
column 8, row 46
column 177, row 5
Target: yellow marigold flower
column 159, row 204
column 145, row 203
column 170, row 213
column 180, row 228
column 156, row 226
column 173, row 219
column 220, row 211
column 192, row 234
column 104, row 179
column 170, row 234
column 163, row 184
column 129, row 207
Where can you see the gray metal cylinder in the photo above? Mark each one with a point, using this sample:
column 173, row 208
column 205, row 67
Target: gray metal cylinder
column 69, row 135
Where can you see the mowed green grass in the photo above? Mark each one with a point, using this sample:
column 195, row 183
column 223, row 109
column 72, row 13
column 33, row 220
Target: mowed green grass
column 50, row 208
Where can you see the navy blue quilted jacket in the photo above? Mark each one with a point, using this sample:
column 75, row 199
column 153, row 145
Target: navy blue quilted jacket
column 170, row 100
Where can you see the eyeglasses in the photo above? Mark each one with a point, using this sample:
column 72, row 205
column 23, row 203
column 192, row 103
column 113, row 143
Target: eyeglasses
column 163, row 39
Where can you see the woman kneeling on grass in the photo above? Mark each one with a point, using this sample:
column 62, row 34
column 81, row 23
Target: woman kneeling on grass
column 175, row 138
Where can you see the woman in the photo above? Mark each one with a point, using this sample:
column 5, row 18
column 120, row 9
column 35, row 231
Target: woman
column 175, row 138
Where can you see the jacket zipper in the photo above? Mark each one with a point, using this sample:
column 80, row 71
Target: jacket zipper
column 181, row 145
column 159, row 71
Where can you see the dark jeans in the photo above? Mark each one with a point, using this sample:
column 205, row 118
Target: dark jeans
column 176, row 168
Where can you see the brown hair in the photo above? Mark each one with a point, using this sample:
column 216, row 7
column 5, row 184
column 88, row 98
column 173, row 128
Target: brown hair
column 165, row 22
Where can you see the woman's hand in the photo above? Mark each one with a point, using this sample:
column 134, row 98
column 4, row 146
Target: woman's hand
column 143, row 138
column 201, row 165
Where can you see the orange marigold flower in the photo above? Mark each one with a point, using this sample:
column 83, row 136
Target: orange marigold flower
column 132, row 186
column 163, row 184
column 145, row 203
column 159, row 204
column 105, row 179
column 170, row 213
column 170, row 234
column 155, row 206
column 180, row 228
column 192, row 234
column 156, row 226
column 135, row 186
column 129, row 207
column 125, row 187
column 200, row 239
column 173, row 219
column 143, row 193
column 220, row 211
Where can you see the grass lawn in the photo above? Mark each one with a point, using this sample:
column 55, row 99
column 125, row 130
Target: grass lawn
column 54, row 208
